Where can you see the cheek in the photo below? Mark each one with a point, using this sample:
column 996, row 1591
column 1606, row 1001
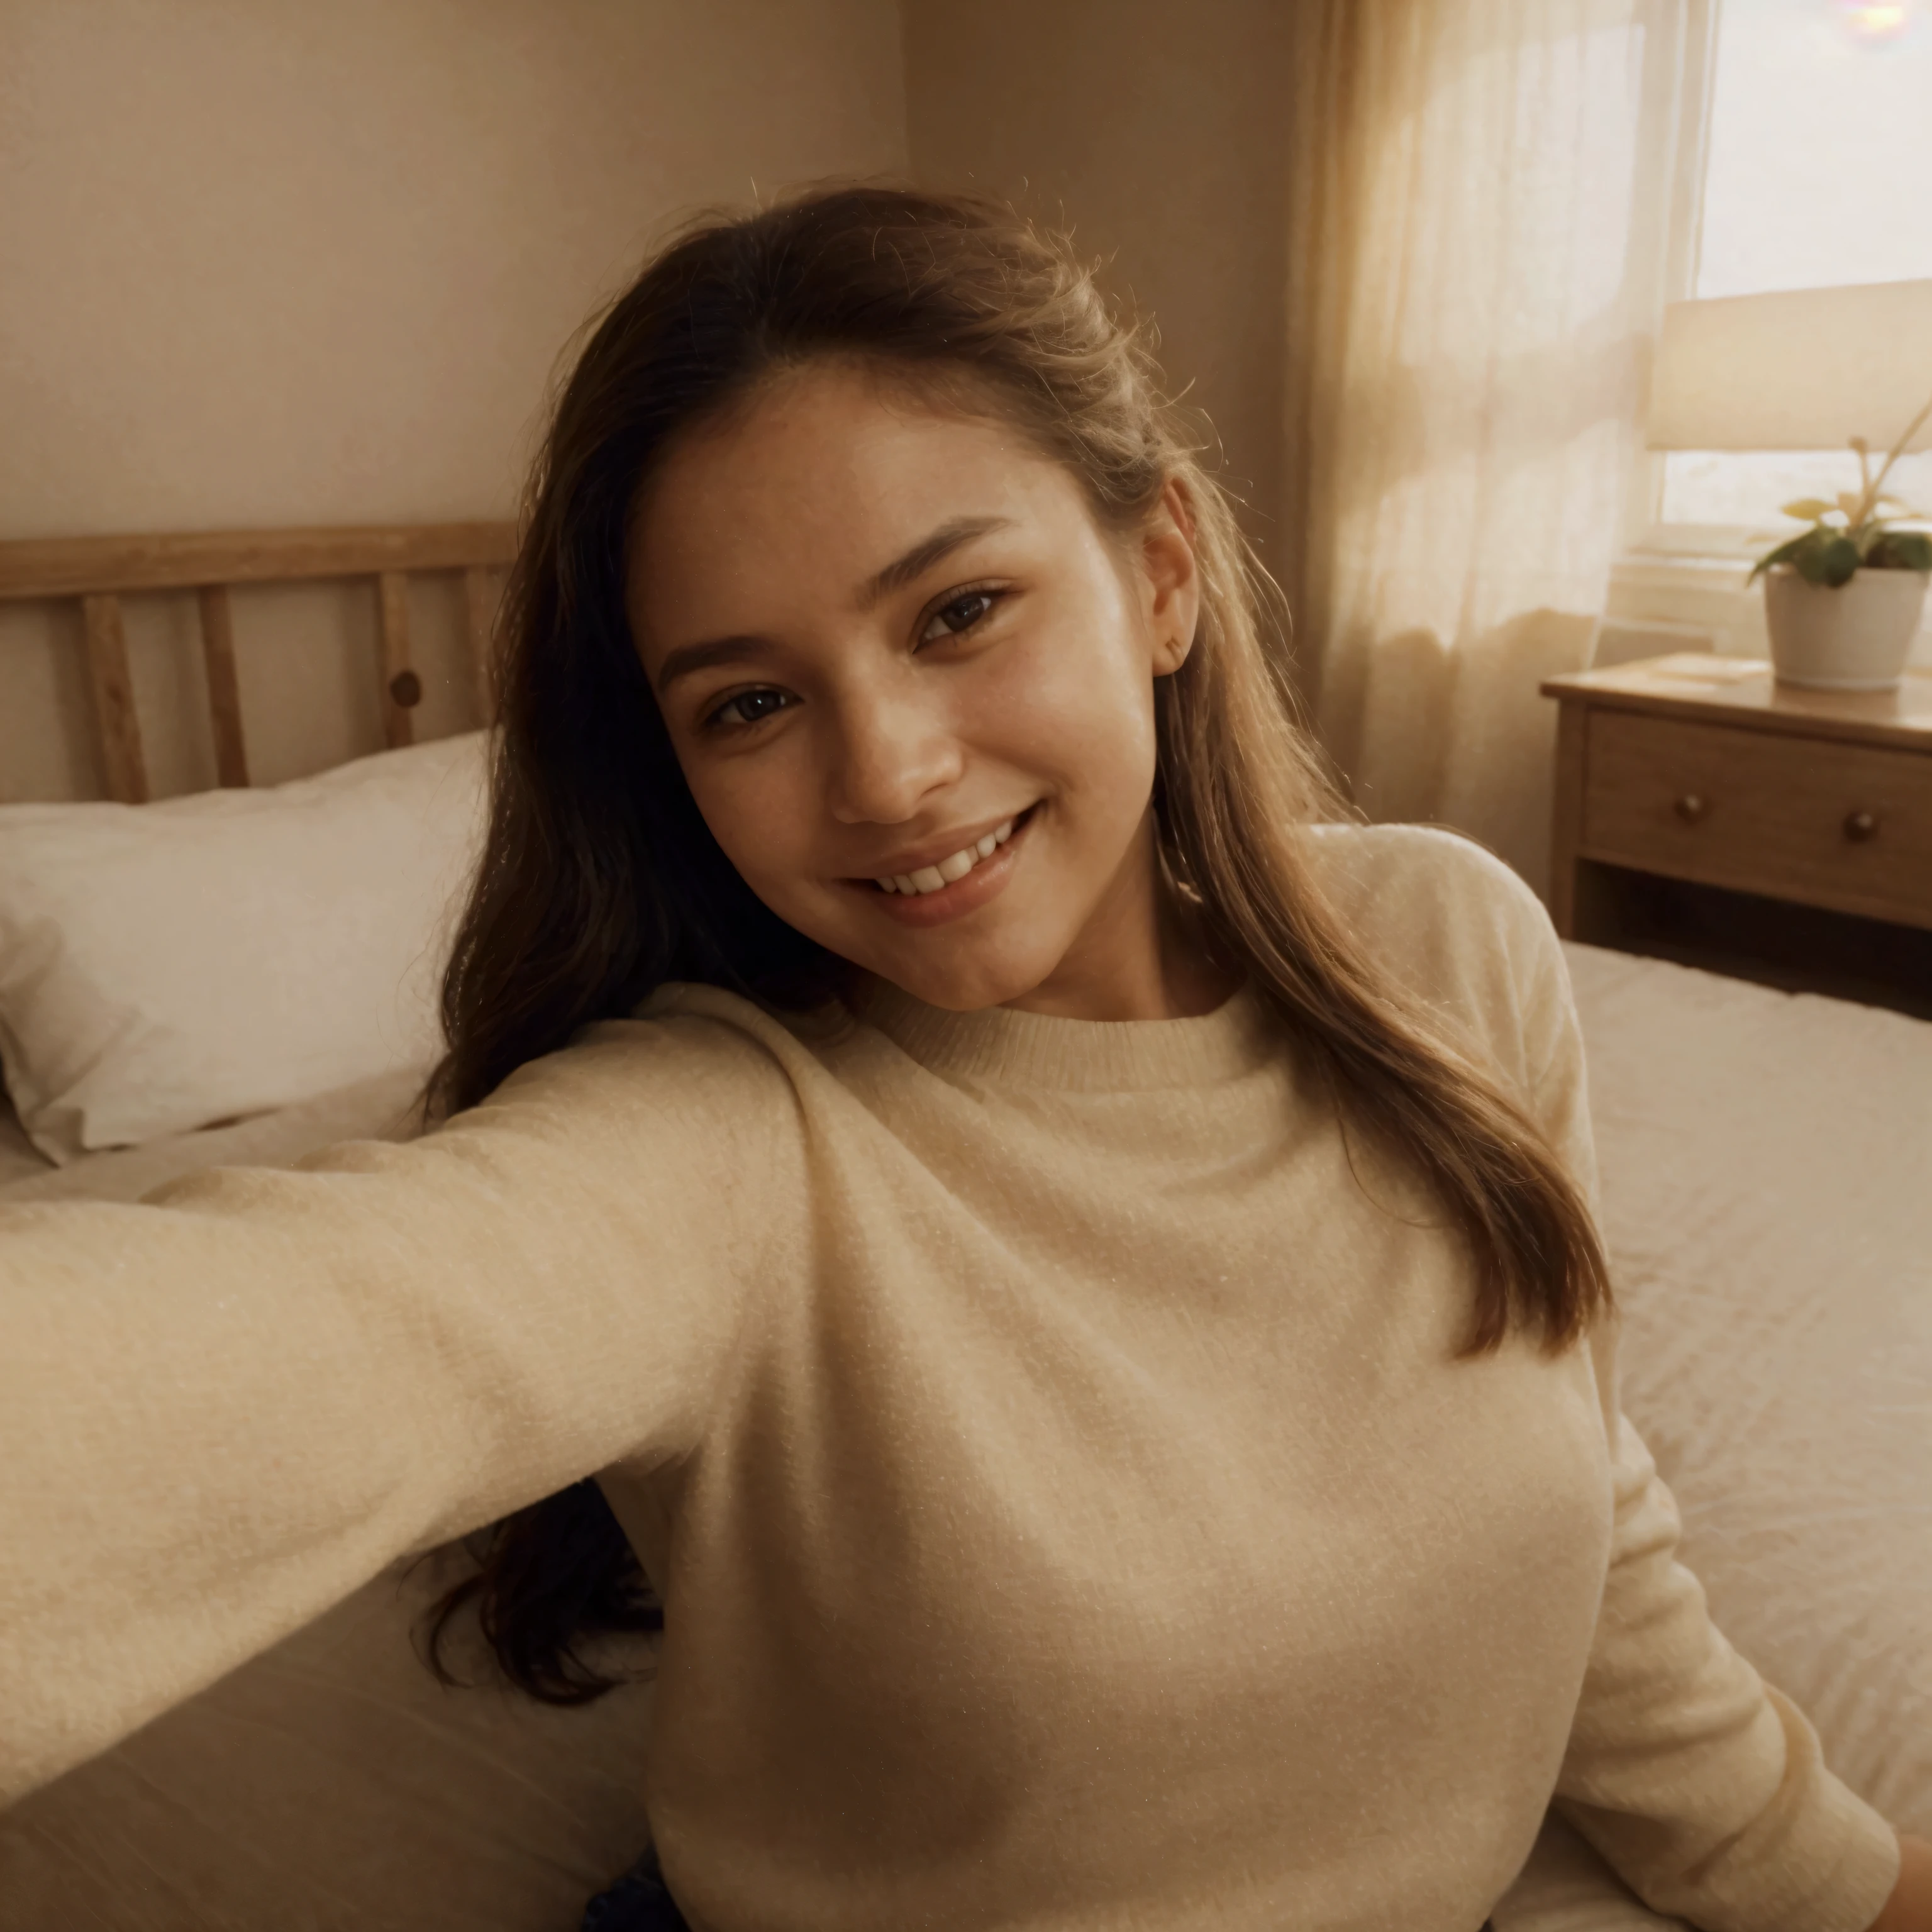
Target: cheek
column 759, row 810
column 1080, row 709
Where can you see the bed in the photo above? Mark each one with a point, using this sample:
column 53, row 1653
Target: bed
column 1766, row 1164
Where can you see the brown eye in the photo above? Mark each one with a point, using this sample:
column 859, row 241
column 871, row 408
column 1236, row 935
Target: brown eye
column 749, row 707
column 959, row 614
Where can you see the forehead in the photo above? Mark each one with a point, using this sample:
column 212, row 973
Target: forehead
column 811, row 486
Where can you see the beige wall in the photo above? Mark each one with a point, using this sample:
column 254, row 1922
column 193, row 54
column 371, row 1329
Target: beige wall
column 265, row 262
column 1155, row 130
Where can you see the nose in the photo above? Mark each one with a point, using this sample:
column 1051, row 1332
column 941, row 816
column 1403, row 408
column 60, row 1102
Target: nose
column 892, row 750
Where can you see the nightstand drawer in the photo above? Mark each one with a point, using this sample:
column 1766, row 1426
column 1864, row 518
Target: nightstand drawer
column 1844, row 825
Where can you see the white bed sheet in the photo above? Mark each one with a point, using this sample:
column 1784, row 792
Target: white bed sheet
column 1767, row 1192
column 379, row 1109
column 1766, row 1164
column 1767, row 1188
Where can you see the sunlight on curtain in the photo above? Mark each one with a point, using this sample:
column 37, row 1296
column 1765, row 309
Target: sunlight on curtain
column 1480, row 206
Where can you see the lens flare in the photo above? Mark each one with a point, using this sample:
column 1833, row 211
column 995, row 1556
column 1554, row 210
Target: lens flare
column 1874, row 22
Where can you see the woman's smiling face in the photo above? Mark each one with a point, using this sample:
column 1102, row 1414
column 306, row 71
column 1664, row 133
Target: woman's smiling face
column 910, row 680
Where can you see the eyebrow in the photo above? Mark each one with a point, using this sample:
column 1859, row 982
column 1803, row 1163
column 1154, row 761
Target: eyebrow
column 687, row 659
column 926, row 552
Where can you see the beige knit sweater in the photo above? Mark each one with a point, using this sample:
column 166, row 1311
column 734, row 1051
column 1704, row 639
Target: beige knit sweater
column 1068, row 1512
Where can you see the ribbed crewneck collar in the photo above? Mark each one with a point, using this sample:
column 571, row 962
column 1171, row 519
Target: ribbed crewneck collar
column 1005, row 1048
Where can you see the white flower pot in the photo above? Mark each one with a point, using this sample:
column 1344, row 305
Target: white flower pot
column 1855, row 638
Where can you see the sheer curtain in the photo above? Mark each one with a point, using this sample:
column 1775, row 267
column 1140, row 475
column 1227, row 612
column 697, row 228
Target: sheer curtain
column 1480, row 200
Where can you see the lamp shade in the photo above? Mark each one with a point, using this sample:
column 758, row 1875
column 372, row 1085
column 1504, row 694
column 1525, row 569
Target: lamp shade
column 1800, row 369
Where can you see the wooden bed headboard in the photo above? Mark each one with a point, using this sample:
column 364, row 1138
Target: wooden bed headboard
column 98, row 571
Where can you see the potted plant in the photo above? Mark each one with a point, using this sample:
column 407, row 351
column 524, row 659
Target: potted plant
column 1842, row 600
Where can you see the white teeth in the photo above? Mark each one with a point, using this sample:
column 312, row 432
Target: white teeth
column 933, row 878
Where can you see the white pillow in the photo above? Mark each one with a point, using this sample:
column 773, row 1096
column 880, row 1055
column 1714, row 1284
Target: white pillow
column 164, row 966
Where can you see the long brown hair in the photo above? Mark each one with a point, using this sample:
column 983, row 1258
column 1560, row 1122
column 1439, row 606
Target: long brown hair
column 600, row 880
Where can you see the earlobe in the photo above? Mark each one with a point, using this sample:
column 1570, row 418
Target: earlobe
column 1170, row 654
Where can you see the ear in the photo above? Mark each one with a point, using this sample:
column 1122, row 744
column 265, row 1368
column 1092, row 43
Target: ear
column 1172, row 595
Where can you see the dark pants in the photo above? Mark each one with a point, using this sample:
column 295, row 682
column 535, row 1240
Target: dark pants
column 639, row 1902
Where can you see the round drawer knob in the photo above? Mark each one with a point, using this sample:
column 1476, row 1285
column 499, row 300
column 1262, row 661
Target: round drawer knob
column 1860, row 827
column 1692, row 807
column 406, row 688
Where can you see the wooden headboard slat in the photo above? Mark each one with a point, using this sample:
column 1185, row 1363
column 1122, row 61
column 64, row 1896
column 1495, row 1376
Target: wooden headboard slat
column 402, row 689
column 224, row 688
column 481, row 591
column 79, row 566
column 117, row 728
column 100, row 570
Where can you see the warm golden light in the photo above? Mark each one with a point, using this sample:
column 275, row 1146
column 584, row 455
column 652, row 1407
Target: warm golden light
column 1875, row 20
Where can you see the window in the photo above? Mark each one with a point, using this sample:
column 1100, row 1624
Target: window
column 1817, row 172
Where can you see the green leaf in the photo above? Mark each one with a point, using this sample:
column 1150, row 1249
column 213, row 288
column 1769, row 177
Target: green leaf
column 1808, row 509
column 1831, row 562
column 1783, row 554
column 1902, row 550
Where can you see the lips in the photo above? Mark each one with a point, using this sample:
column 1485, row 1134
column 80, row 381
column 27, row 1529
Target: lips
column 982, row 879
column 950, row 870
column 959, row 851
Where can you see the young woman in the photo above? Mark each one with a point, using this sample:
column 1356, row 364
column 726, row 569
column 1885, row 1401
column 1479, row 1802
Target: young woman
column 1071, row 1267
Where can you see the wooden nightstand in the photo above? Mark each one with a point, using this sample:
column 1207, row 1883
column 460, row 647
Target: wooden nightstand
column 1706, row 813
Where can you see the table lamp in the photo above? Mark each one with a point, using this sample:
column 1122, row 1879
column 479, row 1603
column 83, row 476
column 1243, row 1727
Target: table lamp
column 1816, row 369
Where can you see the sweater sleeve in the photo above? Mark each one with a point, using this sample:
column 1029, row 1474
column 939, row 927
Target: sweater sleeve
column 1703, row 1785
column 223, row 1409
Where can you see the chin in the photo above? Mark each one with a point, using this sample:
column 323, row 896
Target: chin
column 963, row 987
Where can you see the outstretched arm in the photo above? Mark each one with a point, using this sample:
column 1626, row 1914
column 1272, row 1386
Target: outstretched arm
column 223, row 1410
